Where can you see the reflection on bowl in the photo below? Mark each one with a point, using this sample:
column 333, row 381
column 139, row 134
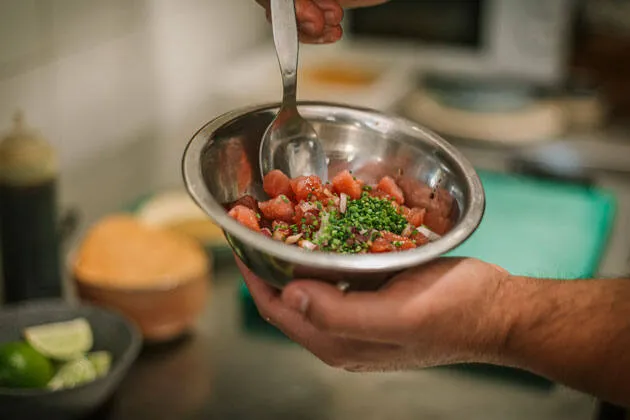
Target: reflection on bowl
column 220, row 165
column 158, row 278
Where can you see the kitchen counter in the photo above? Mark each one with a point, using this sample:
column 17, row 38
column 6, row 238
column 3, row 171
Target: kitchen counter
column 223, row 370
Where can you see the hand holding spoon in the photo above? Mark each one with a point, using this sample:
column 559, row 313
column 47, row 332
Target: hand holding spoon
column 290, row 143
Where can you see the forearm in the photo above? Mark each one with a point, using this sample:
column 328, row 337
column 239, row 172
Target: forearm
column 573, row 332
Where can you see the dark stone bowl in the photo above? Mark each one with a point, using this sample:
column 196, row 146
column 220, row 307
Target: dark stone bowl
column 111, row 331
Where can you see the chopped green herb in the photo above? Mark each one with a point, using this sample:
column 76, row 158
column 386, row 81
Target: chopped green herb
column 342, row 232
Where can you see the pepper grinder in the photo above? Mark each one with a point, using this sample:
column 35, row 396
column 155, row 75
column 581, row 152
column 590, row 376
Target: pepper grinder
column 28, row 216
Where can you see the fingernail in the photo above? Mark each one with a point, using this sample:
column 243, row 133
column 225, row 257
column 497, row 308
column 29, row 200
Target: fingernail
column 330, row 17
column 298, row 300
column 308, row 28
column 330, row 35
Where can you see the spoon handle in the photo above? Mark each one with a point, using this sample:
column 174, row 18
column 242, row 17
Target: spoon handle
column 285, row 37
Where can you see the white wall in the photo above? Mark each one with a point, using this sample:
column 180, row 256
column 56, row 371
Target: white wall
column 192, row 40
column 98, row 77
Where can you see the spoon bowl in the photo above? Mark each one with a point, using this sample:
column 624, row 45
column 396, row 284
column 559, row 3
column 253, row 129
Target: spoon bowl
column 290, row 143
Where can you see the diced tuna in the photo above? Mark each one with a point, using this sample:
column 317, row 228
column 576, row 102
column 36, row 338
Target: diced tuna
column 246, row 216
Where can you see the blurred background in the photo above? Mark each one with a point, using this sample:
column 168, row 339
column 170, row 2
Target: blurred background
column 535, row 91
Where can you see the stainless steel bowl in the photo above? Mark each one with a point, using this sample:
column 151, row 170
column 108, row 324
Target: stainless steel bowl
column 220, row 165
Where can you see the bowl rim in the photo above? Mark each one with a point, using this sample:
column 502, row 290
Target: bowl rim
column 120, row 365
column 367, row 263
column 164, row 287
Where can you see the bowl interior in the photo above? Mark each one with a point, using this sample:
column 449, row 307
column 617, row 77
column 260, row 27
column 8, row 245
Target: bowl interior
column 111, row 331
column 221, row 165
column 368, row 143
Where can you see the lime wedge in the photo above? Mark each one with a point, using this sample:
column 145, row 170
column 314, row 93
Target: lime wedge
column 61, row 340
column 74, row 373
column 102, row 361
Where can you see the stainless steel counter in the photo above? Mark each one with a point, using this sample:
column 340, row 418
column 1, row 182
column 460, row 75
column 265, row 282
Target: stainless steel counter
column 223, row 371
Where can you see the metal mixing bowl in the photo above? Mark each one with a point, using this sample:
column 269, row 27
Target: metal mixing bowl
column 220, row 165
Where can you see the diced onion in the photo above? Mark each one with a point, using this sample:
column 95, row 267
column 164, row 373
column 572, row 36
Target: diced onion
column 307, row 245
column 293, row 239
column 407, row 231
column 343, row 203
column 323, row 224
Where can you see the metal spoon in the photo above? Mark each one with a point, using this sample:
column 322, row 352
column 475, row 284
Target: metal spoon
column 290, row 143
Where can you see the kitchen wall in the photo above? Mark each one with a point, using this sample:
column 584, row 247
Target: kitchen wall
column 107, row 81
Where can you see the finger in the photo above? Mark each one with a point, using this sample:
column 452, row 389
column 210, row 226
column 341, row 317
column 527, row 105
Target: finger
column 345, row 353
column 374, row 316
column 329, row 36
column 276, row 312
column 318, row 23
column 333, row 12
column 310, row 18
column 254, row 282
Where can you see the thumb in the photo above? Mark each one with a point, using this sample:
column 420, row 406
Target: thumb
column 372, row 316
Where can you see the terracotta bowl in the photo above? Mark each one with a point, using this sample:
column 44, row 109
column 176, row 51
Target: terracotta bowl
column 119, row 265
column 160, row 314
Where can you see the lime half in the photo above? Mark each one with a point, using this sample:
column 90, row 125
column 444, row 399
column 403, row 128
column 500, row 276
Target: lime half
column 61, row 340
column 74, row 373
column 102, row 361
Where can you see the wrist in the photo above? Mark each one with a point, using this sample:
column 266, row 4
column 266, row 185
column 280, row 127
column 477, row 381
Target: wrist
column 488, row 334
column 527, row 306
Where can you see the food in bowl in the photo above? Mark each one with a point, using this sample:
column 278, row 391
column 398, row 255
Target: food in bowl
column 53, row 356
column 347, row 215
column 155, row 276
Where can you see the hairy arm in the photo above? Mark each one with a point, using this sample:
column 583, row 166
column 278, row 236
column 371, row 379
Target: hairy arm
column 456, row 310
column 573, row 332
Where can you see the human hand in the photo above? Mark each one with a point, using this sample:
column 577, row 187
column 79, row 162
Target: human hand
column 319, row 21
column 442, row 313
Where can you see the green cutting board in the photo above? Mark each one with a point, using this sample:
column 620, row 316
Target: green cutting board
column 541, row 228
